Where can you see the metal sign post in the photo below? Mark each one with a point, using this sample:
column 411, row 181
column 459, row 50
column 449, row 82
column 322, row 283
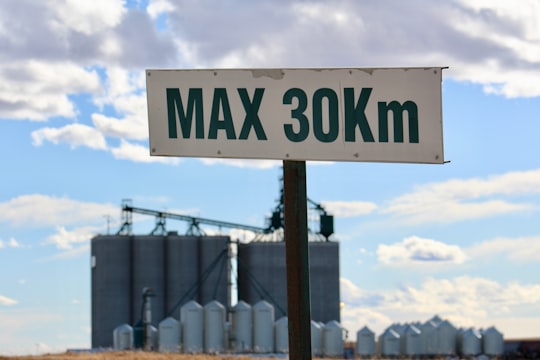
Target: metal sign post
column 297, row 259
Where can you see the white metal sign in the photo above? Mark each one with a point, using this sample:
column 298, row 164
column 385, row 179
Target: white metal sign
column 378, row 115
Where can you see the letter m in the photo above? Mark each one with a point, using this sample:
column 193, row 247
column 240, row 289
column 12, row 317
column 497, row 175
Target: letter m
column 185, row 116
column 397, row 113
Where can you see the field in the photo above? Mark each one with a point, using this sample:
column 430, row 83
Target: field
column 130, row 355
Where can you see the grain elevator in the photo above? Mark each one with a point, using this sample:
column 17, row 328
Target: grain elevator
column 198, row 267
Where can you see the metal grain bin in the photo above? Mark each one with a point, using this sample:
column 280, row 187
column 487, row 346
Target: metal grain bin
column 365, row 342
column 123, row 337
column 411, row 342
column 263, row 327
column 492, row 342
column 447, row 338
column 169, row 335
column 429, row 338
column 470, row 343
column 214, row 327
column 191, row 319
column 281, row 335
column 332, row 339
column 389, row 343
column 316, row 338
column 241, row 327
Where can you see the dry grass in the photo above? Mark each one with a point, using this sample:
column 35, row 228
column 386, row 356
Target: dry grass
column 127, row 355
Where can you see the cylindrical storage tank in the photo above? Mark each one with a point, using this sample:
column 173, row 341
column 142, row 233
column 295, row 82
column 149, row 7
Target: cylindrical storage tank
column 241, row 331
column 470, row 343
column 410, row 342
column 429, row 339
column 365, row 342
column 214, row 327
column 263, row 327
column 492, row 342
column 169, row 335
column 447, row 338
column 316, row 338
column 123, row 337
column 147, row 259
column 389, row 343
column 332, row 339
column 111, row 288
column 191, row 320
column 215, row 287
column 182, row 260
column 281, row 335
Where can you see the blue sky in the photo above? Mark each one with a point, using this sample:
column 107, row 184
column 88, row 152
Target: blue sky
column 460, row 240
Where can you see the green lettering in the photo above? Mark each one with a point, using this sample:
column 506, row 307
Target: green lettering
column 221, row 102
column 175, row 106
column 355, row 115
column 333, row 114
column 298, row 114
column 252, row 119
column 397, row 113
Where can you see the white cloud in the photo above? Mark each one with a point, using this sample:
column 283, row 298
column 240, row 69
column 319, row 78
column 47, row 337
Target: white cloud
column 349, row 208
column 89, row 16
column 11, row 243
column 129, row 127
column 69, row 44
column 37, row 90
column 519, row 250
column 158, row 7
column 466, row 301
column 139, row 153
column 69, row 253
column 65, row 240
column 43, row 210
column 243, row 163
column 72, row 134
column 496, row 45
column 457, row 200
column 4, row 300
column 416, row 250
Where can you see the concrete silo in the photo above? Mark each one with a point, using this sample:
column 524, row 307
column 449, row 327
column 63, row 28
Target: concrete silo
column 177, row 268
column 262, row 275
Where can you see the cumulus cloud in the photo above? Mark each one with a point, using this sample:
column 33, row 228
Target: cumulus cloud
column 73, row 134
column 349, row 208
column 44, row 210
column 519, row 250
column 102, row 47
column 36, row 90
column 416, row 250
column 494, row 45
column 11, row 243
column 139, row 153
column 88, row 17
column 66, row 239
column 243, row 163
column 4, row 300
column 159, row 7
column 464, row 199
column 466, row 301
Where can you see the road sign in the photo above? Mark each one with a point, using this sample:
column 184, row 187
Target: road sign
column 376, row 115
